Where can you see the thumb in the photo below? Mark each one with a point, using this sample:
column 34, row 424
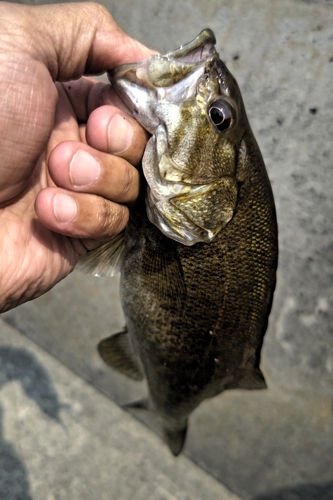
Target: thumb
column 74, row 39
column 37, row 45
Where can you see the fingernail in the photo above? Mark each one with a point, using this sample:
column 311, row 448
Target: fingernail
column 120, row 134
column 84, row 169
column 64, row 208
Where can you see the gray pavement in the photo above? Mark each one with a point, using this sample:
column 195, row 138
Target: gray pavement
column 269, row 445
column 62, row 439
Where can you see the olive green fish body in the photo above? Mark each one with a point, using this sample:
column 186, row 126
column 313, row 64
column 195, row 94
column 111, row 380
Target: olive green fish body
column 199, row 263
column 198, row 314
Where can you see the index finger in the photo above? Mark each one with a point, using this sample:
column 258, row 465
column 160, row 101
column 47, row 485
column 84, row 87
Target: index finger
column 113, row 131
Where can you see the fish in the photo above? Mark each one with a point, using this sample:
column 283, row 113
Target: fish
column 198, row 257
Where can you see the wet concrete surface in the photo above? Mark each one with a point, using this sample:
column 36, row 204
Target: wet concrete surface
column 275, row 444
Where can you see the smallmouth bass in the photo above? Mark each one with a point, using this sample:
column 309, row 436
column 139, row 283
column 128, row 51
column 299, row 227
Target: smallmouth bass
column 199, row 254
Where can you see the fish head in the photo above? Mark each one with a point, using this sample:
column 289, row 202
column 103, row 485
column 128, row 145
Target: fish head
column 192, row 106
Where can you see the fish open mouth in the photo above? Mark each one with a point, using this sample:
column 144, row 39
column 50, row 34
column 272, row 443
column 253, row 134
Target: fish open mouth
column 159, row 72
column 198, row 50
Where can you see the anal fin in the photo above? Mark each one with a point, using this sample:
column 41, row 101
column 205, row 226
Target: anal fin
column 116, row 351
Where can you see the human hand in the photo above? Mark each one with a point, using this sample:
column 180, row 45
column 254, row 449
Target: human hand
column 66, row 170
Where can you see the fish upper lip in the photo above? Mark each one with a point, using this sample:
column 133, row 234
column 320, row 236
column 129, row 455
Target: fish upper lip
column 200, row 50
column 205, row 40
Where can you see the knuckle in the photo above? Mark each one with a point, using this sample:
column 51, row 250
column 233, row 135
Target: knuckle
column 127, row 182
column 111, row 219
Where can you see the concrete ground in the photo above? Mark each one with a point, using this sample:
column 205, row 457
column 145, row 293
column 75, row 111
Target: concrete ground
column 61, row 438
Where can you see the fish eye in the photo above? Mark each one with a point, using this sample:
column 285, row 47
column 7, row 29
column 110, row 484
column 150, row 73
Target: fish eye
column 220, row 115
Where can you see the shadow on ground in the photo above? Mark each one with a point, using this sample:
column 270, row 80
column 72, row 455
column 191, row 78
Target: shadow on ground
column 14, row 484
column 302, row 492
column 18, row 364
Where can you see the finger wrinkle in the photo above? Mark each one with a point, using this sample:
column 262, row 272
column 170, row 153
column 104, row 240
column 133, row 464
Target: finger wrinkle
column 112, row 218
column 128, row 181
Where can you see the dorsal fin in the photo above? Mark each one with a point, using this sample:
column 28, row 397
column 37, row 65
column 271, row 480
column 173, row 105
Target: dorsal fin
column 116, row 351
column 104, row 260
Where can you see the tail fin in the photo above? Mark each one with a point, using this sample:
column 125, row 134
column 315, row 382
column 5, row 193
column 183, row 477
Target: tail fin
column 175, row 438
column 174, row 433
column 253, row 379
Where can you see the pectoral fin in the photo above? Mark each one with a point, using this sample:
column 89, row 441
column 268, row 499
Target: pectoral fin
column 104, row 260
column 117, row 352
